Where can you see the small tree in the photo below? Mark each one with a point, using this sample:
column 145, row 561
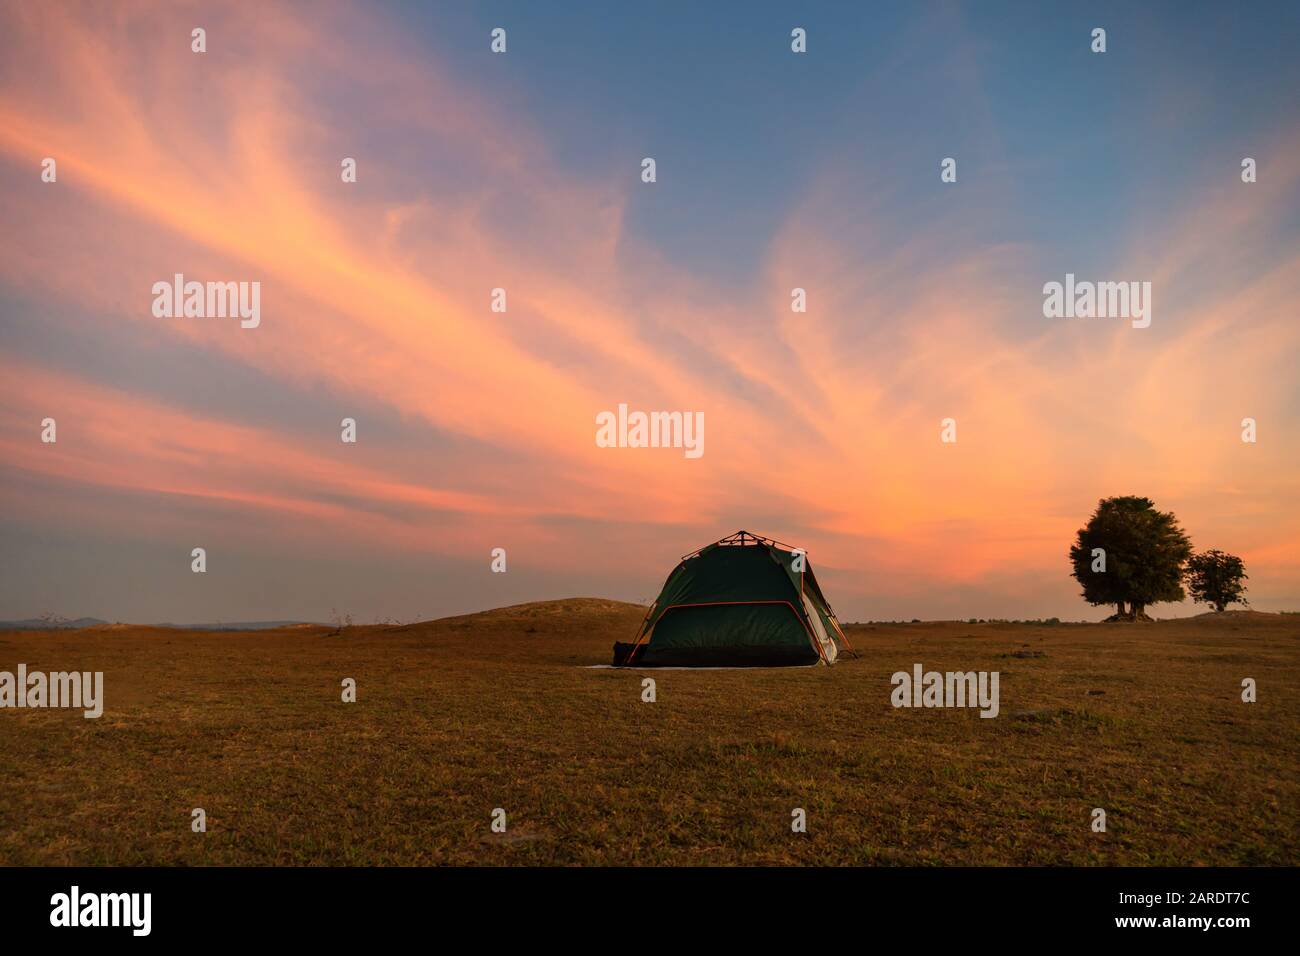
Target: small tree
column 1214, row 577
column 1130, row 555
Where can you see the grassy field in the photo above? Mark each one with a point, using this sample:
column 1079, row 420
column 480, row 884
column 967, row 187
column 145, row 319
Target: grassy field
column 457, row 717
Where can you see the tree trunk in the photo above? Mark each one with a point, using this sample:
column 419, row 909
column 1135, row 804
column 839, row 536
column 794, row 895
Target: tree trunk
column 1138, row 610
column 1119, row 605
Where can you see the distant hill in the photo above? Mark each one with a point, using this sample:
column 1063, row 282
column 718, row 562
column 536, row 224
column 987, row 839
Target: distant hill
column 53, row 624
column 563, row 606
column 59, row 624
column 237, row 625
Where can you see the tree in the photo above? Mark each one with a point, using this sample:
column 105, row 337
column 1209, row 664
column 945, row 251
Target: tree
column 1216, row 578
column 1130, row 555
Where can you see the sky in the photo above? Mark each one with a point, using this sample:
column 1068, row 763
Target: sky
column 522, row 170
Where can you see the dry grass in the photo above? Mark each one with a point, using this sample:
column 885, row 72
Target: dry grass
column 459, row 716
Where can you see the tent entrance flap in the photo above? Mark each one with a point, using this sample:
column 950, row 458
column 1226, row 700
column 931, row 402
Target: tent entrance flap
column 819, row 630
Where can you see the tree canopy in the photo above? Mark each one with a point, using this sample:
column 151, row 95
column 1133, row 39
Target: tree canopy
column 1130, row 555
column 1216, row 578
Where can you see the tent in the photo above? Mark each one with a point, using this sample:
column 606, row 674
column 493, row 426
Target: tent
column 744, row 601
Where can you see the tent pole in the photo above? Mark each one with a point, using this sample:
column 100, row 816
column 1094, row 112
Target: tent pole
column 639, row 634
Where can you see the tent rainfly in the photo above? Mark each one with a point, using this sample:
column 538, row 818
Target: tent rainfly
column 744, row 601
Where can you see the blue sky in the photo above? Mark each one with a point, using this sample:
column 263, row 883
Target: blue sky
column 775, row 170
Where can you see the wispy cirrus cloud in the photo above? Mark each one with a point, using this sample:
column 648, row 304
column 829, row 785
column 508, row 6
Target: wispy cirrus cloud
column 225, row 166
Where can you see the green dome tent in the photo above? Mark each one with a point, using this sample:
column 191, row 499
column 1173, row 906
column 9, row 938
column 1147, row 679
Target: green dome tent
column 744, row 601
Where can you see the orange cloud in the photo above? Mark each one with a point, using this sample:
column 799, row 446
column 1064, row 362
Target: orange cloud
column 227, row 168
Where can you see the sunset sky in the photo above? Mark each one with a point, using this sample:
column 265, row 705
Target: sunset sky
column 476, row 430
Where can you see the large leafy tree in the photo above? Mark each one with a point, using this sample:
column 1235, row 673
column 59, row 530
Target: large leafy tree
column 1214, row 577
column 1130, row 555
